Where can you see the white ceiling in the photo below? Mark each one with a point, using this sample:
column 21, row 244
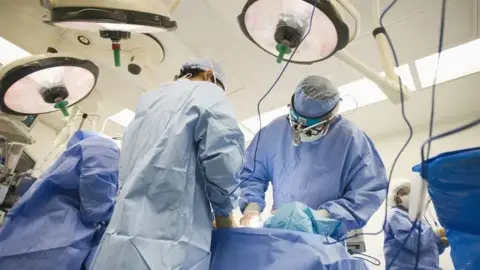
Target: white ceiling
column 209, row 28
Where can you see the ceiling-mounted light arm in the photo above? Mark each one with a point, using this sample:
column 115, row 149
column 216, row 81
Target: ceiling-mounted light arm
column 389, row 85
column 139, row 16
column 173, row 6
column 47, row 4
column 383, row 45
column 347, row 5
column 390, row 88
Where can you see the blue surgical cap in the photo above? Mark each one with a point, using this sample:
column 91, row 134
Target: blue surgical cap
column 205, row 65
column 315, row 97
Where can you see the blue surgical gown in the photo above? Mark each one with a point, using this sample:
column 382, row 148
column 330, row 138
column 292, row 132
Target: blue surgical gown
column 340, row 172
column 57, row 219
column 397, row 228
column 181, row 156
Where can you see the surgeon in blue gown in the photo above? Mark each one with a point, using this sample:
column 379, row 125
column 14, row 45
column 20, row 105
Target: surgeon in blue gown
column 400, row 249
column 181, row 156
column 315, row 157
column 56, row 222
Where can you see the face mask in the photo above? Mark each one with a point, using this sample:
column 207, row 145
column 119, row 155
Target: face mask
column 405, row 201
column 313, row 134
column 306, row 129
column 308, row 134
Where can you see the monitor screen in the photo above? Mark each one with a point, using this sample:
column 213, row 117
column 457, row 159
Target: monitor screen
column 25, row 163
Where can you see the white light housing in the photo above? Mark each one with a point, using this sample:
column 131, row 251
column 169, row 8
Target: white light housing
column 136, row 16
column 35, row 84
column 269, row 23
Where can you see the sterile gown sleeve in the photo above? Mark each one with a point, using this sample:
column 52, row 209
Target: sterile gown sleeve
column 98, row 182
column 366, row 185
column 401, row 227
column 253, row 189
column 221, row 144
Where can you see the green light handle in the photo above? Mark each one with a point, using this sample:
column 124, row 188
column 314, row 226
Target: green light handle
column 282, row 50
column 62, row 106
column 116, row 56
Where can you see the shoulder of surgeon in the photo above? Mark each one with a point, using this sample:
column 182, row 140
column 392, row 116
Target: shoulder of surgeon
column 277, row 124
column 194, row 93
column 396, row 211
column 347, row 129
column 207, row 94
column 99, row 147
column 99, row 141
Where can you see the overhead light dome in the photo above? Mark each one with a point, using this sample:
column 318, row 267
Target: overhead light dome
column 278, row 26
column 135, row 16
column 45, row 83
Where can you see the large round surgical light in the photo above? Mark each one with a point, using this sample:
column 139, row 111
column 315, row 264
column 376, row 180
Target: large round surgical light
column 45, row 83
column 135, row 16
column 278, row 26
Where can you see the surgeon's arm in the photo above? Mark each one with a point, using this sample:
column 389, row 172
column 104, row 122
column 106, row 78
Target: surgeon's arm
column 402, row 226
column 220, row 151
column 98, row 180
column 254, row 175
column 366, row 188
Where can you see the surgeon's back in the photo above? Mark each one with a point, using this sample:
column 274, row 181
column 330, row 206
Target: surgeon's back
column 180, row 158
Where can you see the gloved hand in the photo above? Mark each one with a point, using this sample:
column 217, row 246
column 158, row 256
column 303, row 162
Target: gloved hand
column 445, row 241
column 251, row 214
column 224, row 222
column 322, row 213
column 440, row 232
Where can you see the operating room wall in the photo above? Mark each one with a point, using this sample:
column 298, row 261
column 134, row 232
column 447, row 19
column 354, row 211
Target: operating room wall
column 44, row 137
column 389, row 146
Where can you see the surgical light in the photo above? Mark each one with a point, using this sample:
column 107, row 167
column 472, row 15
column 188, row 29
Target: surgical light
column 115, row 20
column 136, row 16
column 278, row 27
column 45, row 83
column 315, row 30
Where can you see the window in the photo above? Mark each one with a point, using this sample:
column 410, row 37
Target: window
column 10, row 52
column 253, row 124
column 123, row 117
column 454, row 63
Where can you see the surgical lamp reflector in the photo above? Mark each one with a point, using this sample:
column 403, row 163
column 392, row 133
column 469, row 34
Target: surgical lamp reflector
column 45, row 83
column 135, row 16
column 278, row 26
